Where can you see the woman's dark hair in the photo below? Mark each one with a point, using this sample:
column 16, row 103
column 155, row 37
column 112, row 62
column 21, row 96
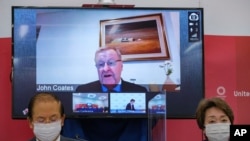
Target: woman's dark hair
column 209, row 103
column 44, row 97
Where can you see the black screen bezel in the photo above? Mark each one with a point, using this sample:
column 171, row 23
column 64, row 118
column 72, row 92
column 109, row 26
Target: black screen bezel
column 178, row 102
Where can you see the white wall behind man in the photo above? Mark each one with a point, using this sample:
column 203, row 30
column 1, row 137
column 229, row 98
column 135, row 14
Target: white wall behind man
column 221, row 17
column 5, row 7
column 226, row 17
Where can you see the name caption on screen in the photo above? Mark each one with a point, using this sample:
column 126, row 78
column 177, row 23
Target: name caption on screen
column 55, row 87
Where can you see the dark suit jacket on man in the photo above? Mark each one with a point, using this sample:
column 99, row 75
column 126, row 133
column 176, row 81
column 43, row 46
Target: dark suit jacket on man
column 96, row 86
column 107, row 129
column 130, row 107
column 62, row 138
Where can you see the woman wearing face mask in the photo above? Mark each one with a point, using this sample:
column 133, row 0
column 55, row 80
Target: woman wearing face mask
column 214, row 117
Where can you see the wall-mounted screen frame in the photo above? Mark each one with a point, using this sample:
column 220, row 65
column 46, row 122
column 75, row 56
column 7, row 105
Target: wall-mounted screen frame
column 54, row 47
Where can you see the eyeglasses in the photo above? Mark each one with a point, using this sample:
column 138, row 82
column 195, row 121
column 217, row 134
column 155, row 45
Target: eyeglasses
column 110, row 63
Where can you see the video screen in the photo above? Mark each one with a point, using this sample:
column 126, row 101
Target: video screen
column 142, row 37
column 157, row 105
column 129, row 103
column 90, row 103
column 161, row 51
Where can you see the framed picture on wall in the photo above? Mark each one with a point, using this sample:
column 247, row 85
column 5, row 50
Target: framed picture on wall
column 138, row 38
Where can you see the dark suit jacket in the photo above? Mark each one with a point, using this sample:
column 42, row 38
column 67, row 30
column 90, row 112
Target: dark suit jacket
column 62, row 138
column 107, row 129
column 129, row 107
column 97, row 87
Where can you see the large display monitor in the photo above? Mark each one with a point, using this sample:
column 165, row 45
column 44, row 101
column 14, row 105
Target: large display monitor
column 162, row 50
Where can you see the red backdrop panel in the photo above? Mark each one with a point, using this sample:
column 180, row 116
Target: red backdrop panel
column 10, row 129
column 227, row 72
column 242, row 45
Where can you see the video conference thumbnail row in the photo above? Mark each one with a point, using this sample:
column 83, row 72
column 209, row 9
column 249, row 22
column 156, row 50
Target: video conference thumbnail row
column 119, row 103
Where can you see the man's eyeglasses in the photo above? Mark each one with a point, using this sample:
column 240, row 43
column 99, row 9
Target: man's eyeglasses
column 110, row 63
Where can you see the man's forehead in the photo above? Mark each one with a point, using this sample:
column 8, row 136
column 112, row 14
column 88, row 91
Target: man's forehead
column 106, row 54
column 48, row 107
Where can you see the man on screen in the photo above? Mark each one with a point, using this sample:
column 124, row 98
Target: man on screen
column 108, row 62
column 109, row 66
column 130, row 105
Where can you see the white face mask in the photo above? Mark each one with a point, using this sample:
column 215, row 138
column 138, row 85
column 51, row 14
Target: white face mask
column 47, row 131
column 218, row 131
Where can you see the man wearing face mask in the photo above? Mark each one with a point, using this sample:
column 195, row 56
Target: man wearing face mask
column 46, row 117
column 214, row 117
